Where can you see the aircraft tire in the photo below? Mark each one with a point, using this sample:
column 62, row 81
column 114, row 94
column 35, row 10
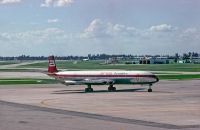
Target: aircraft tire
column 111, row 89
column 150, row 90
column 91, row 89
column 88, row 89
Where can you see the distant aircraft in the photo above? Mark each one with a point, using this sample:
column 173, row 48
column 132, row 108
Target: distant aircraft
column 110, row 78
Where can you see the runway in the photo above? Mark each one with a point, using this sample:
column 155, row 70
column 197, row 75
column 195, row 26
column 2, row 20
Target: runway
column 172, row 105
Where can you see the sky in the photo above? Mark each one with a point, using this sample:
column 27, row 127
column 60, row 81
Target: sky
column 82, row 27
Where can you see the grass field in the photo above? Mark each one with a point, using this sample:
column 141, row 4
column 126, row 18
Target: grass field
column 26, row 81
column 18, row 70
column 91, row 65
column 179, row 77
column 7, row 62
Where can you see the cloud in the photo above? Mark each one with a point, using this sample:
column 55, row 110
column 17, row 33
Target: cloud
column 190, row 34
column 163, row 28
column 53, row 20
column 106, row 31
column 9, row 1
column 100, row 29
column 38, row 36
column 47, row 3
column 56, row 3
column 96, row 28
column 36, row 42
column 152, row 39
column 101, row 37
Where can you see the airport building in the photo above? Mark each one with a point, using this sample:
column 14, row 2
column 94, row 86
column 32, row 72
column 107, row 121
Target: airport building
column 154, row 60
column 195, row 60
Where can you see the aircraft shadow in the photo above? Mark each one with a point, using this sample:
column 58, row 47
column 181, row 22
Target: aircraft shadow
column 96, row 91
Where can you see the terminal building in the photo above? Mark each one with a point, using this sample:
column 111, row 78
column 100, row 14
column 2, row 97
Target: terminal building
column 150, row 60
column 195, row 60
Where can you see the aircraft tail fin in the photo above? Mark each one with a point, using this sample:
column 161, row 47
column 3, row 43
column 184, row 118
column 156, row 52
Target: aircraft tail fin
column 52, row 65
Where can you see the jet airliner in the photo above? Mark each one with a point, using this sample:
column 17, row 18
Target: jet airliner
column 109, row 78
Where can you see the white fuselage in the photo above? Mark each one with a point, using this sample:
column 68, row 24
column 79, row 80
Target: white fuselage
column 106, row 77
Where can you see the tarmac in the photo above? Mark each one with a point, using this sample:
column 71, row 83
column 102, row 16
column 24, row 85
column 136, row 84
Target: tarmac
column 171, row 105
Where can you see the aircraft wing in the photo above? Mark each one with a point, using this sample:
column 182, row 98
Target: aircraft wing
column 87, row 82
column 97, row 81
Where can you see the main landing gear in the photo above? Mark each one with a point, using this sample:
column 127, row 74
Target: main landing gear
column 150, row 89
column 111, row 88
column 89, row 89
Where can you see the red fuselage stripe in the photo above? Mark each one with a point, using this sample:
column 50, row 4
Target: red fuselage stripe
column 113, row 76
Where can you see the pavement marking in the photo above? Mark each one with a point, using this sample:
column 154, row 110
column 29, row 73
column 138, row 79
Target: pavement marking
column 98, row 116
column 44, row 102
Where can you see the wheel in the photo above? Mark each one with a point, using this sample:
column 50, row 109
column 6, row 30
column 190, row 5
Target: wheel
column 150, row 90
column 88, row 89
column 111, row 88
column 114, row 88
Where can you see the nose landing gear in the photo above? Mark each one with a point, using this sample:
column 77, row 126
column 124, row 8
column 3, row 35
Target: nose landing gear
column 150, row 89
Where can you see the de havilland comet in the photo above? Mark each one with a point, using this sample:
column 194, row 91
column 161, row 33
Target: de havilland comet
column 109, row 78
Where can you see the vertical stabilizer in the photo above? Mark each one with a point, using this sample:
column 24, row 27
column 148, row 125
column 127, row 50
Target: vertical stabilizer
column 52, row 65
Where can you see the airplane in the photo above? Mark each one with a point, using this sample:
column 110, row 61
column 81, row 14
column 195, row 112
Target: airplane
column 109, row 77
